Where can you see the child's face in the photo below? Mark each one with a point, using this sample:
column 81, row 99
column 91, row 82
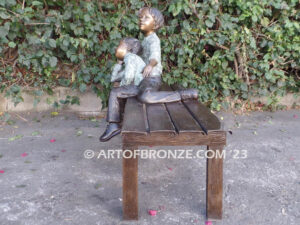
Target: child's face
column 121, row 50
column 146, row 21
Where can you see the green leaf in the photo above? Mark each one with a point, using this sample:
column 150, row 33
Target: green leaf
column 79, row 133
column 53, row 61
column 254, row 18
column 64, row 82
column 35, row 133
column 82, row 87
column 224, row 65
column 209, row 23
column 11, row 2
column 52, row 43
column 12, row 44
column 4, row 15
column 54, row 114
column 265, row 21
column 268, row 75
column 244, row 87
column 3, row 32
column 87, row 18
column 15, row 137
column 37, row 3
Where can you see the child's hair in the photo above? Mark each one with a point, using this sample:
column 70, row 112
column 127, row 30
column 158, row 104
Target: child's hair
column 157, row 16
column 133, row 45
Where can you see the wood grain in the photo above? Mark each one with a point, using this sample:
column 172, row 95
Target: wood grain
column 130, row 185
column 214, row 184
column 134, row 117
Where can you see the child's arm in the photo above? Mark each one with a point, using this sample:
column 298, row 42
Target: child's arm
column 155, row 57
column 117, row 72
column 129, row 71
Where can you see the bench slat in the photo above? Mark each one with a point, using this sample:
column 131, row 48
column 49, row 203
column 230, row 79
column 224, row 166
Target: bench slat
column 158, row 118
column 203, row 115
column 183, row 120
column 134, row 117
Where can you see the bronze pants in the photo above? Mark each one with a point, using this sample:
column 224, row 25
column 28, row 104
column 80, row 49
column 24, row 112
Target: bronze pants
column 146, row 92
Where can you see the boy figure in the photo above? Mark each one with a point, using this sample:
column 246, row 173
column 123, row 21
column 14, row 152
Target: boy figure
column 150, row 20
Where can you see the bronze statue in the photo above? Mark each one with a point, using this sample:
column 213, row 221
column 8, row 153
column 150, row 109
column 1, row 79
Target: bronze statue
column 147, row 89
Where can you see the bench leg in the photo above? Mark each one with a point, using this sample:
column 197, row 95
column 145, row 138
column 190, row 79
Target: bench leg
column 214, row 183
column 130, row 184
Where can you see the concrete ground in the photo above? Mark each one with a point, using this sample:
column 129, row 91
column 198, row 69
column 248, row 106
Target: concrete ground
column 45, row 179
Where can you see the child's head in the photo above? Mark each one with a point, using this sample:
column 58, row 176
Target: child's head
column 150, row 19
column 126, row 45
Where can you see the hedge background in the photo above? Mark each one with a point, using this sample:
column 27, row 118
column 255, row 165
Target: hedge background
column 229, row 50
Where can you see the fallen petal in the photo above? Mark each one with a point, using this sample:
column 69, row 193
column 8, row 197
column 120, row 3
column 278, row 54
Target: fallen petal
column 208, row 223
column 52, row 140
column 152, row 212
column 1, row 171
column 63, row 150
column 295, row 116
column 24, row 154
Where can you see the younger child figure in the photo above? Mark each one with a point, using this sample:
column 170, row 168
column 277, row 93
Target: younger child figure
column 130, row 75
column 131, row 72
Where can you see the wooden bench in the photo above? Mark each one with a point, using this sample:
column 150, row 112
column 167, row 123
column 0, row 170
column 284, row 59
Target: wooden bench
column 181, row 123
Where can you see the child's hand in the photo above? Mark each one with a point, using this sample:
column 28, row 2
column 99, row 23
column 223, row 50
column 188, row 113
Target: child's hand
column 147, row 70
column 116, row 84
column 120, row 62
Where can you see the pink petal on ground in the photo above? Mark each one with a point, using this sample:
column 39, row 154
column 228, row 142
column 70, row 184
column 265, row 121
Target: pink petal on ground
column 295, row 116
column 52, row 140
column 292, row 158
column 152, row 212
column 208, row 223
column 1, row 171
column 169, row 168
column 63, row 150
column 24, row 154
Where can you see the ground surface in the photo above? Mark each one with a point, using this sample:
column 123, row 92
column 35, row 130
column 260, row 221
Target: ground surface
column 44, row 182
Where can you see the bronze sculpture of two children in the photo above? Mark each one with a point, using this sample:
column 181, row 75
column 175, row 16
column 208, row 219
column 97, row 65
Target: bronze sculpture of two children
column 139, row 76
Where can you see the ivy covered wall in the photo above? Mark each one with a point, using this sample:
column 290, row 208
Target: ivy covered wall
column 228, row 49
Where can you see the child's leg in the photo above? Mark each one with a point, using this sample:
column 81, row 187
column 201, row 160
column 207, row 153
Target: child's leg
column 115, row 104
column 149, row 96
column 149, row 92
column 116, row 97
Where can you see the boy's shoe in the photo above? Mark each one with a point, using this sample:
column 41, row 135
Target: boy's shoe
column 112, row 130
